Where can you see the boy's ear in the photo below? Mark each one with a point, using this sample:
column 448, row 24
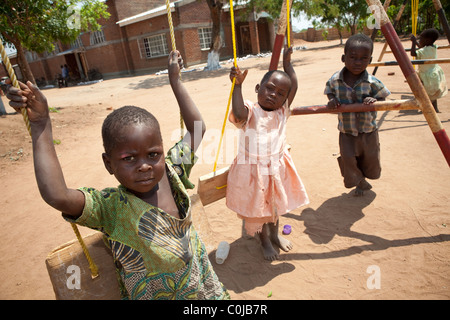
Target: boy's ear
column 107, row 163
column 257, row 88
column 343, row 58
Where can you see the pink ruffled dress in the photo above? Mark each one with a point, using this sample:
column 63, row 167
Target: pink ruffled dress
column 263, row 182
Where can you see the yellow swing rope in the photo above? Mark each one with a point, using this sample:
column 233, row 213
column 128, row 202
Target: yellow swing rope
column 414, row 15
column 414, row 19
column 172, row 38
column 92, row 266
column 233, row 35
column 287, row 25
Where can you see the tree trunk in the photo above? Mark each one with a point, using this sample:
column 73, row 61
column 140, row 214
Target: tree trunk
column 215, row 8
column 23, row 63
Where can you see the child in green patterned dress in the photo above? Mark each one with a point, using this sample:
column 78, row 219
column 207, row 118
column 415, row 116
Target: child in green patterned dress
column 146, row 219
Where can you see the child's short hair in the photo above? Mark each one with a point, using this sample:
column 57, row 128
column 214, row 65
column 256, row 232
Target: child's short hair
column 358, row 38
column 266, row 77
column 122, row 117
column 269, row 73
column 431, row 34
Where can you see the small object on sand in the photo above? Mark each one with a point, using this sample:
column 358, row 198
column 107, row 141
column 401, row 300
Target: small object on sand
column 287, row 229
column 391, row 73
column 222, row 252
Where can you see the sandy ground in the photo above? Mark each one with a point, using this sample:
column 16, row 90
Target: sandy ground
column 397, row 234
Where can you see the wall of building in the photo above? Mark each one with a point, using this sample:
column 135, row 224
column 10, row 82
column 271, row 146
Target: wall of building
column 312, row 35
column 119, row 54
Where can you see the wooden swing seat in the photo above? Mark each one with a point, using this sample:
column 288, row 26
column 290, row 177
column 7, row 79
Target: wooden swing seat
column 62, row 260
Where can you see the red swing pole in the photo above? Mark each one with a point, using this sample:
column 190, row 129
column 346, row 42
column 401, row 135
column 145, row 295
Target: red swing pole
column 411, row 77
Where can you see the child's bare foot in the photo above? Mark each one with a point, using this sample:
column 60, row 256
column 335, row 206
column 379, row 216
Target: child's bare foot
column 268, row 250
column 362, row 186
column 282, row 242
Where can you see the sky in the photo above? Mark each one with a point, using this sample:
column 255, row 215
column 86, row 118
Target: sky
column 300, row 22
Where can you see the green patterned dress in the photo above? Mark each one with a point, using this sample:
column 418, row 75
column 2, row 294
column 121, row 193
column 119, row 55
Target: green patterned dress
column 157, row 256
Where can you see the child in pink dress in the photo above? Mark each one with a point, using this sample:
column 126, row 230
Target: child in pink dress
column 263, row 182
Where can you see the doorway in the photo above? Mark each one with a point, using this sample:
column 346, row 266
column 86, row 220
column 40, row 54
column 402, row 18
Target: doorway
column 246, row 42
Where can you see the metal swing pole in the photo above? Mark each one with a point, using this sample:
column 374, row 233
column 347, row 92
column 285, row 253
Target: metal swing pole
column 411, row 77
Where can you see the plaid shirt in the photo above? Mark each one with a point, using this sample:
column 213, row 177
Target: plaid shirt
column 367, row 86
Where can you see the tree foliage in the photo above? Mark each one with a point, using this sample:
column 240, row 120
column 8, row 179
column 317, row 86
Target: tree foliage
column 353, row 14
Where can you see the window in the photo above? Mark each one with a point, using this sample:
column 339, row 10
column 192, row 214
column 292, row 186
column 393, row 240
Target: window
column 97, row 37
column 77, row 43
column 204, row 35
column 31, row 56
column 154, row 46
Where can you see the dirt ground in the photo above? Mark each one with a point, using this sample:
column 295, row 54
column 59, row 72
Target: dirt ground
column 393, row 243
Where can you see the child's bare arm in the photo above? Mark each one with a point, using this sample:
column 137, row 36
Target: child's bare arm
column 289, row 69
column 413, row 46
column 191, row 115
column 239, row 110
column 49, row 175
column 369, row 100
column 333, row 102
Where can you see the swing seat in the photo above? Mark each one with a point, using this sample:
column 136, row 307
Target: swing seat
column 67, row 264
column 213, row 186
column 70, row 275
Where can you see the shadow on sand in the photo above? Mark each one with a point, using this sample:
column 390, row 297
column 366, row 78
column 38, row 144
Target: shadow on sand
column 334, row 217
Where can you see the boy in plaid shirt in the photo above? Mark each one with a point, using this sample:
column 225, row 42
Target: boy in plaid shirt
column 358, row 132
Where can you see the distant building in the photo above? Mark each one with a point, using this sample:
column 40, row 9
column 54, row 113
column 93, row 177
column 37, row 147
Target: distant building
column 136, row 40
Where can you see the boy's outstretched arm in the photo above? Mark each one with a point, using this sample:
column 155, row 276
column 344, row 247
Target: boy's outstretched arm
column 189, row 111
column 289, row 69
column 49, row 175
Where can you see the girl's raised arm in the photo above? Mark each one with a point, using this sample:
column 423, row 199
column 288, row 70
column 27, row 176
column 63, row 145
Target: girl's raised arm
column 289, row 69
column 239, row 110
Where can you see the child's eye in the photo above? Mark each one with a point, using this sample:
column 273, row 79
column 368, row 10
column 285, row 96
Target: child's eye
column 153, row 155
column 128, row 158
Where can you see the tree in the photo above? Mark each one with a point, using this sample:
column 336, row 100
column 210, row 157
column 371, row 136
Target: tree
column 340, row 14
column 35, row 25
column 273, row 7
column 215, row 8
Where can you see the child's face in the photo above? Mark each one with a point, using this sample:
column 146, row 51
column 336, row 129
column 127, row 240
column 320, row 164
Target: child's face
column 424, row 41
column 273, row 93
column 137, row 159
column 357, row 58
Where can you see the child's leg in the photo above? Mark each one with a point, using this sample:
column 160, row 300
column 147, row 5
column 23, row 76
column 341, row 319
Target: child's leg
column 369, row 161
column 268, row 250
column 361, row 187
column 348, row 161
column 276, row 238
column 434, row 103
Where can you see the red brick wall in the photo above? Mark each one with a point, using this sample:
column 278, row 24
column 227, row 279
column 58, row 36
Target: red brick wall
column 312, row 34
column 126, row 10
column 193, row 16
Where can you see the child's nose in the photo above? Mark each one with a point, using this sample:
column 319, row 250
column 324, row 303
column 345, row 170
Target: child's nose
column 144, row 166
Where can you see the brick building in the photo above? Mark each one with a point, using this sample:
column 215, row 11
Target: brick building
column 136, row 40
